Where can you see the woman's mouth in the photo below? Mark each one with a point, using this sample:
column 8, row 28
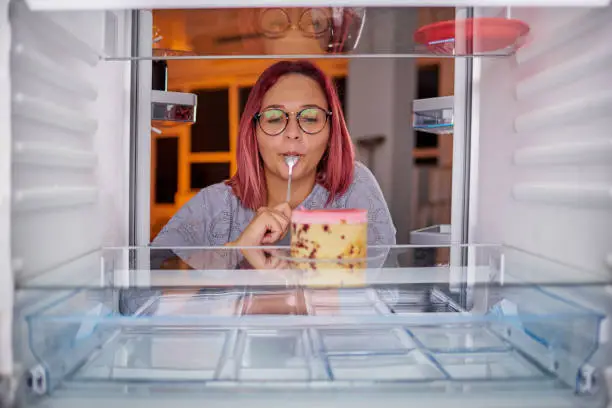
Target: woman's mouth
column 291, row 154
column 291, row 159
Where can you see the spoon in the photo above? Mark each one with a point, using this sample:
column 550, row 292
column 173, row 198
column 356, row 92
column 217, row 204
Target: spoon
column 290, row 161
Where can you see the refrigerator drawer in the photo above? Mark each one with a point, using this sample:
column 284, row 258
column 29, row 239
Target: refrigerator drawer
column 199, row 324
column 410, row 341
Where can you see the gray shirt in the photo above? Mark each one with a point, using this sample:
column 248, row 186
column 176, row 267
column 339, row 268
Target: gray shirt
column 215, row 215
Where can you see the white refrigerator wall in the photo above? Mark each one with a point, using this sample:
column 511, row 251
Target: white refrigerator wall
column 6, row 277
column 65, row 180
column 70, row 131
column 64, row 177
column 542, row 135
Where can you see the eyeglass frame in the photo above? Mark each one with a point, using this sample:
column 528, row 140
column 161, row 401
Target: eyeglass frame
column 290, row 24
column 257, row 117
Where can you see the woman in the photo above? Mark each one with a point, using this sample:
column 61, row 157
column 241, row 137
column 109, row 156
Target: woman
column 293, row 109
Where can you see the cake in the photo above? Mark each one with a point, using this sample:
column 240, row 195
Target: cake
column 331, row 275
column 334, row 234
column 330, row 246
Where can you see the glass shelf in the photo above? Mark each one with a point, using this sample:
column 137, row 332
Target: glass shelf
column 225, row 267
column 314, row 32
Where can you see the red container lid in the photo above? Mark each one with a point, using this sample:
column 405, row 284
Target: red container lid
column 472, row 35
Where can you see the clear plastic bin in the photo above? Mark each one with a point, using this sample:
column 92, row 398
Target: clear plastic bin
column 401, row 328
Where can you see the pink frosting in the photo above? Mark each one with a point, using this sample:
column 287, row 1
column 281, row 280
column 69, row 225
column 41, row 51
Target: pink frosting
column 329, row 216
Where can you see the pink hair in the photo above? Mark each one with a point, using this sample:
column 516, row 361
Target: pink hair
column 249, row 184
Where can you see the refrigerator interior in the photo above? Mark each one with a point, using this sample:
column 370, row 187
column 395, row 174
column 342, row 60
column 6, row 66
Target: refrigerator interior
column 93, row 317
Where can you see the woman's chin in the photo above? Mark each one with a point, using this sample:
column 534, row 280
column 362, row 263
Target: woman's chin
column 298, row 173
column 285, row 174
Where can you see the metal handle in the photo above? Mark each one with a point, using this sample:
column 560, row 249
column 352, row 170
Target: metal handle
column 289, row 184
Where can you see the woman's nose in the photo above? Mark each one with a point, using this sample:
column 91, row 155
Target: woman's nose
column 293, row 130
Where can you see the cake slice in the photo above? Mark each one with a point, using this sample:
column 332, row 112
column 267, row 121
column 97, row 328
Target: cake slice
column 329, row 235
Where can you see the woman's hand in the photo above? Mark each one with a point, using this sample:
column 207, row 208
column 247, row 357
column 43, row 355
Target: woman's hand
column 269, row 226
column 262, row 259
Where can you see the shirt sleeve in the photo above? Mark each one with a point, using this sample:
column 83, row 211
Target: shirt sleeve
column 365, row 193
column 192, row 225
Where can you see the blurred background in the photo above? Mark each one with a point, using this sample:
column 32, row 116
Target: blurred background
column 413, row 168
